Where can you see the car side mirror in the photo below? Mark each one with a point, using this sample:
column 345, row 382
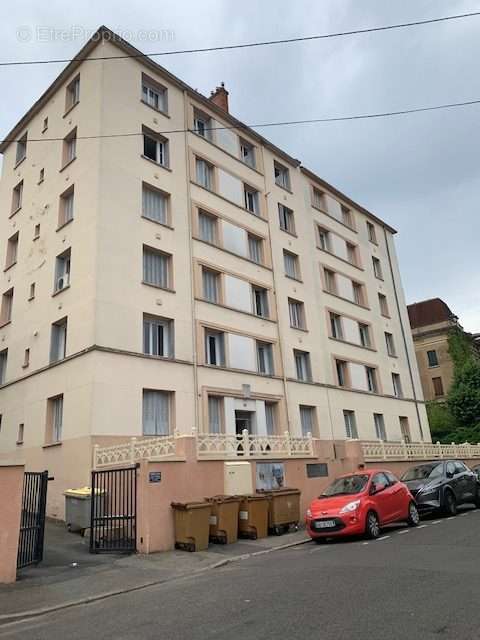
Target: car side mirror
column 450, row 474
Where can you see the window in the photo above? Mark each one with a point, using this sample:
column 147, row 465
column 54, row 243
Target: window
column 351, row 253
column 372, row 236
column 302, row 365
column 211, row 285
column 69, row 147
column 437, row 387
column 154, row 94
column 282, row 175
column 41, row 176
column 291, row 263
column 251, row 200
column 350, row 424
column 6, row 309
column 21, row 149
column 432, row 358
column 330, row 281
column 214, row 348
column 204, row 173
column 215, row 414
column 45, row 125
column 62, row 271
column 36, row 232
column 379, row 426
column 297, row 315
column 207, row 227
column 270, row 410
column 73, row 93
column 397, row 385
column 265, row 358
column 364, row 331
column 32, row 291
column 156, row 412
column 390, row 344
column 20, row 433
column 405, row 429
column 336, row 329
column 347, row 217
column 202, row 125
column 318, row 199
column 382, row 301
column 372, row 385
column 247, row 153
column 260, row 301
column 358, row 293
column 287, row 222
column 341, row 370
column 255, row 248
column 307, row 420
column 58, row 342
column 157, row 336
column 157, row 268
column 324, row 239
column 66, row 207
column 12, row 250
column 154, row 204
column 3, row 365
column 377, row 268
column 17, row 196
column 155, row 147
column 54, row 419
column 26, row 358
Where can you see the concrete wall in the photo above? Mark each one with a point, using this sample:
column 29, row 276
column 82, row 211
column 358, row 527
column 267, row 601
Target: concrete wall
column 11, row 487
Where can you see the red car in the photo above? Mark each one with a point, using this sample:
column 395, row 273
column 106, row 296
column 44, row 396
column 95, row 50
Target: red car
column 361, row 503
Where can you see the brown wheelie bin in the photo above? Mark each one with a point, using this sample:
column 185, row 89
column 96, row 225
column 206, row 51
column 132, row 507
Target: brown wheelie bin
column 253, row 517
column 192, row 521
column 284, row 509
column 224, row 519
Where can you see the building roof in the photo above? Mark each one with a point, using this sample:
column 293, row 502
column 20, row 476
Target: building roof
column 105, row 34
column 428, row 312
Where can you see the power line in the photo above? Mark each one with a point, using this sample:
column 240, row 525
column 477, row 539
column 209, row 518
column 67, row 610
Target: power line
column 338, row 34
column 365, row 116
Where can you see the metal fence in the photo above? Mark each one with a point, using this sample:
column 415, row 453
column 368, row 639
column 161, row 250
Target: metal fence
column 32, row 522
column 381, row 450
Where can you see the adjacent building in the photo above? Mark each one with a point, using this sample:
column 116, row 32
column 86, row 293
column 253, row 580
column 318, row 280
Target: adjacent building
column 168, row 268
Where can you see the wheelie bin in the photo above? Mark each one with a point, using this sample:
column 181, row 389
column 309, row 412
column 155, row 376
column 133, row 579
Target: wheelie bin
column 224, row 519
column 192, row 521
column 253, row 517
column 284, row 509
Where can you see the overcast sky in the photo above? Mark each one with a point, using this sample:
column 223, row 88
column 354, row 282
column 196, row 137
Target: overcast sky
column 420, row 173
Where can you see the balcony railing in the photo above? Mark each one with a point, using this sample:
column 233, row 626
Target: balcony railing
column 156, row 448
column 213, row 446
column 380, row 450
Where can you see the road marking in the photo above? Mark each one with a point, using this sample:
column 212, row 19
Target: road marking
column 383, row 538
column 451, row 518
column 437, row 522
column 462, row 515
column 422, row 526
column 365, row 543
column 404, row 531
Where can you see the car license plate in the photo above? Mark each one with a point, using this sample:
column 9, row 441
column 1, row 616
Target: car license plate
column 325, row 524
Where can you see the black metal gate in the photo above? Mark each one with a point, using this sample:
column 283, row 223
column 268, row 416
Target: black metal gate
column 114, row 511
column 32, row 522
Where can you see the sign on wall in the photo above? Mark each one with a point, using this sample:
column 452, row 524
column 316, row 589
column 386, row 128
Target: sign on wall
column 317, row 470
column 155, row 476
column 270, row 475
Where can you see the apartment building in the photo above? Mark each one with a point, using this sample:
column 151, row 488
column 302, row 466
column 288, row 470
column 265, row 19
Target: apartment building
column 168, row 268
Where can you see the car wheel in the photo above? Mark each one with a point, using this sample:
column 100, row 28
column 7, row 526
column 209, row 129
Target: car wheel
column 477, row 498
column 413, row 515
column 372, row 525
column 449, row 504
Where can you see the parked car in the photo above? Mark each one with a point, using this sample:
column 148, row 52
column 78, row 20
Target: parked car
column 476, row 470
column 360, row 503
column 442, row 486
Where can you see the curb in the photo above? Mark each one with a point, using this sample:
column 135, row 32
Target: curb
column 34, row 613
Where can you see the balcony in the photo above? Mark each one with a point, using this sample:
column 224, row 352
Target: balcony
column 380, row 450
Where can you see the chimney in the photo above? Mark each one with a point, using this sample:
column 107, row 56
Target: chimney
column 220, row 97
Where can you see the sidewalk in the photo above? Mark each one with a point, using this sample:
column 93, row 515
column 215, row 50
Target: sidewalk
column 70, row 575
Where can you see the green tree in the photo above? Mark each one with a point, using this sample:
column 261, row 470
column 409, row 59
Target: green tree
column 464, row 396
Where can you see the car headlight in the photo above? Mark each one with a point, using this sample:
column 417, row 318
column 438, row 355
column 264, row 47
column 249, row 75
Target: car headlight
column 309, row 513
column 351, row 506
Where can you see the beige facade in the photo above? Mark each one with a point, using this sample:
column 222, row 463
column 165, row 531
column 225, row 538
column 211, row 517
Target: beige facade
column 185, row 255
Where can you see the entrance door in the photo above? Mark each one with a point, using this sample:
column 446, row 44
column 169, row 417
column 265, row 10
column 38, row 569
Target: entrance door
column 243, row 420
column 32, row 523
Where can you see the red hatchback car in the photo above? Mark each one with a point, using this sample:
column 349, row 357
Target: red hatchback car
column 361, row 503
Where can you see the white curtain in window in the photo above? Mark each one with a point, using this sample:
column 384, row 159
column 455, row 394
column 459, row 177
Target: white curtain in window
column 57, row 419
column 214, row 414
column 157, row 340
column 155, row 268
column 255, row 249
column 290, row 265
column 156, row 413
column 206, row 225
column 154, row 205
column 306, row 419
column 210, row 289
column 68, row 207
column 59, row 337
column 270, row 418
column 203, row 173
column 295, row 314
column 3, row 365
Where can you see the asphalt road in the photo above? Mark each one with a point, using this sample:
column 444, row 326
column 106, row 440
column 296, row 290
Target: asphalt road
column 411, row 583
